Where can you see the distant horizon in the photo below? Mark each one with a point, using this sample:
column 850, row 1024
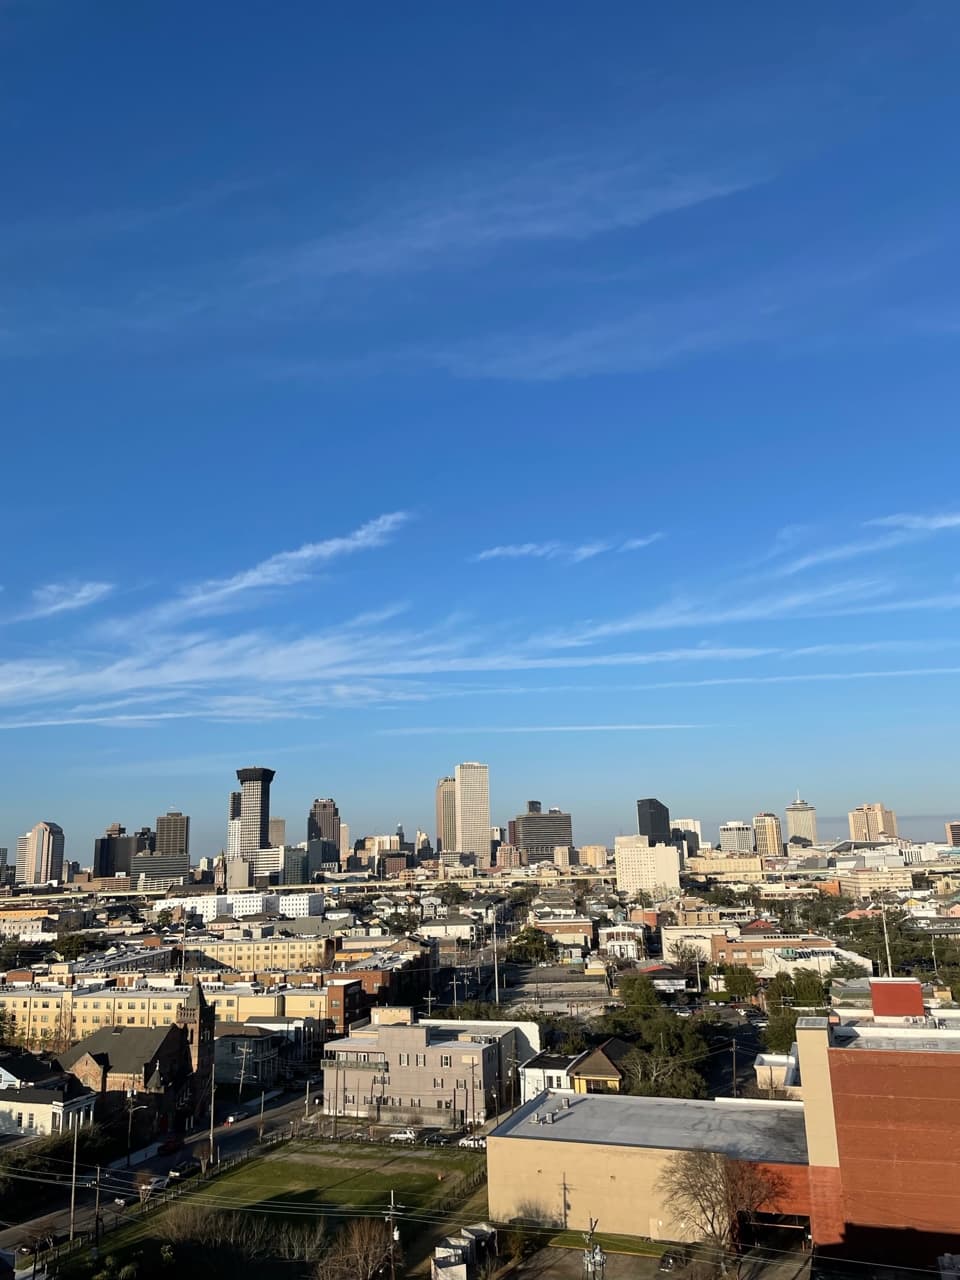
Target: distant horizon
column 830, row 828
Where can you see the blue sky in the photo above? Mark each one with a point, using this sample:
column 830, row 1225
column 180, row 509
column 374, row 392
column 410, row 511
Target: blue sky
column 570, row 390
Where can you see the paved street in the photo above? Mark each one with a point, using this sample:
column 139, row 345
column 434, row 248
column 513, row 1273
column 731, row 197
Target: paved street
column 230, row 1140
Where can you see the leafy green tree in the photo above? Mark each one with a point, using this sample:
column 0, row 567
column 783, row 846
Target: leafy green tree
column 530, row 946
column 165, row 917
column 739, row 981
column 638, row 992
column 808, row 989
column 843, row 969
column 781, row 1030
column 779, row 992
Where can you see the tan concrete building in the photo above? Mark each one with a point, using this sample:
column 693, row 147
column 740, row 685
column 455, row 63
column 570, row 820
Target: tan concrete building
column 767, row 836
column 302, row 952
column 594, row 855
column 872, row 822
column 414, row 1073
column 754, row 950
column 564, row 1158
column 642, row 867
column 737, row 869
column 869, row 881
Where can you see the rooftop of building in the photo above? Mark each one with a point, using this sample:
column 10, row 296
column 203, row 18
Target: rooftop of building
column 767, row 1131
column 552, row 1061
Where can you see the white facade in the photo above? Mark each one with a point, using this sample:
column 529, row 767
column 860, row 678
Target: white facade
column 688, row 824
column 736, row 837
column 802, row 821
column 473, row 809
column 647, row 868
column 240, row 905
column 233, row 838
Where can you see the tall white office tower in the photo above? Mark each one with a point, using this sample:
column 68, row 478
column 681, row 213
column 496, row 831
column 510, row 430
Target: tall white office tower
column 472, row 786
column 801, row 821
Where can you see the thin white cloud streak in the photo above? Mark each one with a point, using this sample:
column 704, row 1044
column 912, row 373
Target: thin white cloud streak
column 63, row 597
column 282, row 570
column 844, row 551
column 920, row 524
column 418, row 731
column 811, row 677
column 572, row 197
column 575, row 554
column 681, row 613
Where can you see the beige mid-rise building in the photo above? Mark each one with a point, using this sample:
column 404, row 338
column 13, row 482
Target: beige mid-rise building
column 642, row 867
column 594, row 855
column 872, row 822
column 767, row 836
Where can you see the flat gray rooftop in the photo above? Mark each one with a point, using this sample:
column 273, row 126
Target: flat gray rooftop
column 743, row 1130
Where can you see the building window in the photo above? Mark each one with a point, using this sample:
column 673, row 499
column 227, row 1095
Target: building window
column 438, row 1082
column 19, row 1119
column 461, row 1084
column 404, row 1059
column 422, row 1060
column 445, row 1060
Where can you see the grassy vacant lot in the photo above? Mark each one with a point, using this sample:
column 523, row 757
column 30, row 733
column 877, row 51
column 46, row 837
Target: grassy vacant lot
column 339, row 1177
column 305, row 1180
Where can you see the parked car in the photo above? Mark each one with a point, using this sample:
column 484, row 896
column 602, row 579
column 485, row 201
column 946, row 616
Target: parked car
column 169, row 1145
column 437, row 1140
column 474, row 1140
column 185, row 1168
column 673, row 1260
column 402, row 1135
column 121, row 1201
column 236, row 1116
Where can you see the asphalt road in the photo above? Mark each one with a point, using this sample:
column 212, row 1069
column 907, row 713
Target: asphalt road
column 229, row 1139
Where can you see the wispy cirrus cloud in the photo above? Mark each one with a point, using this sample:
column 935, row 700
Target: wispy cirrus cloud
column 63, row 597
column 574, row 553
column 218, row 595
column 476, row 730
column 920, row 523
column 567, row 197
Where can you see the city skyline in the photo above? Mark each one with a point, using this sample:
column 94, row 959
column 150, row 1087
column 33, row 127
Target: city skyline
column 487, row 321
column 214, row 834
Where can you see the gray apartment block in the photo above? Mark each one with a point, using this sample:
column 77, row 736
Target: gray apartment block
column 414, row 1074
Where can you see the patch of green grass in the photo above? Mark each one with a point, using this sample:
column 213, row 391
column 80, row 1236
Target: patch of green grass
column 609, row 1243
column 338, row 1177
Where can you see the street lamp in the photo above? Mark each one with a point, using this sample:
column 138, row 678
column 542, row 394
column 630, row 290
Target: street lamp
column 130, row 1110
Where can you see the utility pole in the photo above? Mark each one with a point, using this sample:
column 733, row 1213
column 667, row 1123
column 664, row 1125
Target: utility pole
column 886, row 936
column 213, row 1094
column 247, row 1048
column 306, row 1103
column 336, row 1084
column 394, row 1234
column 96, row 1213
column 260, row 1130
column 496, row 971
column 73, row 1176
column 429, row 1000
column 473, row 1087
column 455, row 984
column 733, row 1050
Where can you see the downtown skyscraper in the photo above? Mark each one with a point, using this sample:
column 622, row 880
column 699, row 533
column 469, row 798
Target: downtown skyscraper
column 472, row 796
column 446, row 814
column 254, row 809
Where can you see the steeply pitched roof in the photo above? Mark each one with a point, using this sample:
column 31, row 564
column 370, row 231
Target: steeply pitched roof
column 604, row 1062
column 29, row 1068
column 126, row 1050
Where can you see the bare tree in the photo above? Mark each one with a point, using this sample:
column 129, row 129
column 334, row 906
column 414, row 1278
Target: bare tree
column 716, row 1197
column 358, row 1251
